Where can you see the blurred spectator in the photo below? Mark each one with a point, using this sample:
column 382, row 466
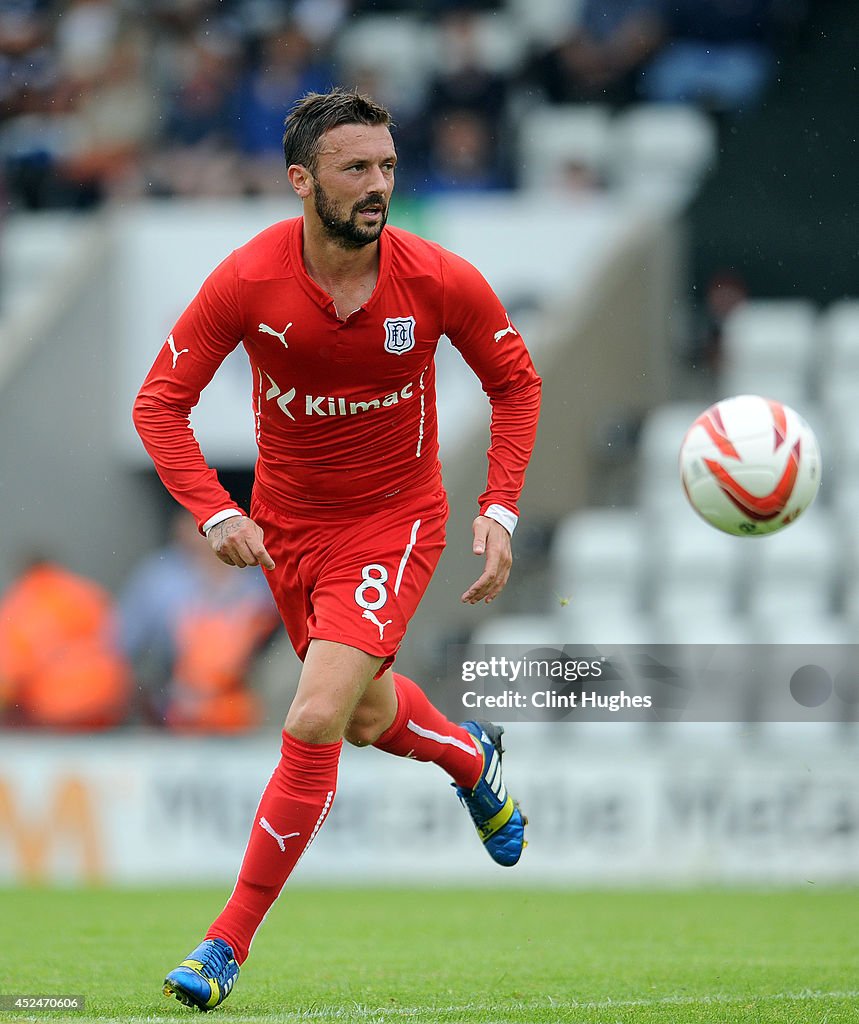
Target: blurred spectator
column 319, row 20
column 191, row 627
column 411, row 137
column 462, row 157
column 726, row 290
column 85, row 36
column 289, row 66
column 466, row 105
column 462, row 80
column 601, row 58
column 60, row 666
column 111, row 119
column 197, row 153
column 80, row 112
column 425, row 7
column 719, row 55
column 28, row 73
column 119, row 98
column 181, row 18
column 26, row 55
column 201, row 104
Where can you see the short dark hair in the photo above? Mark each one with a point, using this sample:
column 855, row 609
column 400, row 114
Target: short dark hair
column 317, row 113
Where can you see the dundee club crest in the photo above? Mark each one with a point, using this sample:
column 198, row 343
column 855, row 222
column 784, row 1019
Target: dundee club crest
column 399, row 334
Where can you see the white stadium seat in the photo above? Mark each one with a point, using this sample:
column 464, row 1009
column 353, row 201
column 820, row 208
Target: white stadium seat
column 661, row 151
column 538, row 630
column 660, row 493
column 587, row 623
column 841, row 455
column 398, row 48
column 841, row 485
column 838, row 372
column 694, row 572
column 678, row 627
column 547, row 21
column 496, row 42
column 768, row 349
column 794, row 573
column 597, row 560
column 850, row 599
column 554, row 138
column 848, row 545
column 839, row 336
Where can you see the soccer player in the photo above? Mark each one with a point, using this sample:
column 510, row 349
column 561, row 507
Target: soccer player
column 340, row 317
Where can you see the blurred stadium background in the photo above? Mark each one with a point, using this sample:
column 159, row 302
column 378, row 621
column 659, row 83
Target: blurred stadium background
column 664, row 195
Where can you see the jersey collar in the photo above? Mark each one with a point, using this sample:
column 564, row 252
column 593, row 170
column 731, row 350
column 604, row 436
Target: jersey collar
column 318, row 294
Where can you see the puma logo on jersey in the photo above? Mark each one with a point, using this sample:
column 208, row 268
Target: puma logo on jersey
column 371, row 616
column 176, row 354
column 280, row 840
column 509, row 329
column 265, row 329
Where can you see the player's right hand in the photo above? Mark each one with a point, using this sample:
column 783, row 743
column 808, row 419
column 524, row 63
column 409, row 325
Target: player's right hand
column 239, row 541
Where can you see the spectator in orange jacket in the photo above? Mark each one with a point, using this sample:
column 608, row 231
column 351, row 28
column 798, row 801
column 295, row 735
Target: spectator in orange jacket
column 192, row 629
column 59, row 664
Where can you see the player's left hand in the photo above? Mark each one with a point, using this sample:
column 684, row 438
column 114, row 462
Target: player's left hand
column 493, row 541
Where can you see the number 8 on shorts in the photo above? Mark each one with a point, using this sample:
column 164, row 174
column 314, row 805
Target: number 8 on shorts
column 373, row 584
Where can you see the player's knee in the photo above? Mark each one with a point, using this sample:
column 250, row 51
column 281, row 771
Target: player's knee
column 364, row 729
column 314, row 722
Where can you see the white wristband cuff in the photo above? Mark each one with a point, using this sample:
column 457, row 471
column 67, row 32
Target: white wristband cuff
column 219, row 517
column 503, row 516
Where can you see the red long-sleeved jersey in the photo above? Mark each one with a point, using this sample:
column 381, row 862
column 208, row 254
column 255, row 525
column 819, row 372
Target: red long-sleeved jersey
column 345, row 409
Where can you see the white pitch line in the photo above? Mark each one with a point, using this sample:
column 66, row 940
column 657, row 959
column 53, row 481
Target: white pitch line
column 382, row 1013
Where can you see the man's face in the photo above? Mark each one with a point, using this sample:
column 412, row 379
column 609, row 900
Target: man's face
column 353, row 182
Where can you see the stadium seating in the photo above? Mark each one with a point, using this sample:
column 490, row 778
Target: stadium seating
column 520, row 629
column 768, row 349
column 544, row 22
column 586, row 623
column 655, row 574
column 398, row 48
column 661, row 152
column 651, row 152
column 553, row 140
column 794, row 573
column 803, row 628
column 695, row 572
column 499, row 43
column 659, row 493
column 598, row 563
column 838, row 372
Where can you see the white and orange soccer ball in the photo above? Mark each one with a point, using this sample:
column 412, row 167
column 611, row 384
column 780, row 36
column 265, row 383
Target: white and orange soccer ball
column 750, row 465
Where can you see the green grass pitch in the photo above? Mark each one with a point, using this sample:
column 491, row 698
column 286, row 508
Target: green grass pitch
column 445, row 956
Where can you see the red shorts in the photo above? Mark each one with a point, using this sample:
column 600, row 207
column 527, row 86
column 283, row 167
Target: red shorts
column 356, row 581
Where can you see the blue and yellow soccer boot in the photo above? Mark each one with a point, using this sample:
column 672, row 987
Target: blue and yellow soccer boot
column 497, row 818
column 206, row 977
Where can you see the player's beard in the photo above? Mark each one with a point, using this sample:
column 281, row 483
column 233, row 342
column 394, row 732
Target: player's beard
column 348, row 233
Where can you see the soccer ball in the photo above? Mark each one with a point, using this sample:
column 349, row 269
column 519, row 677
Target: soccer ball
column 750, row 465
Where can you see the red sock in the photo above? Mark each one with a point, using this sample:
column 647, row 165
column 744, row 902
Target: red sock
column 421, row 731
column 291, row 811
